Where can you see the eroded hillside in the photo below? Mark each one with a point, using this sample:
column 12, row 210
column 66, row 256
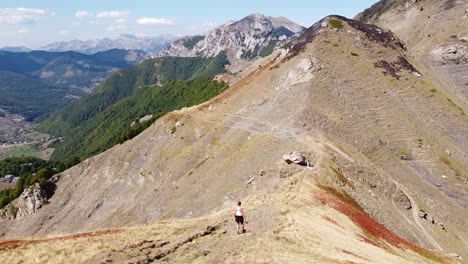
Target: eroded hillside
column 346, row 95
column 436, row 34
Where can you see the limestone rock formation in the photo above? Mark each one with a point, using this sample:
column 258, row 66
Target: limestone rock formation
column 28, row 203
column 249, row 38
column 451, row 54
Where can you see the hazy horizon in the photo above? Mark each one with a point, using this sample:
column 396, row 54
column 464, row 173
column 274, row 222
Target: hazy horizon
column 34, row 24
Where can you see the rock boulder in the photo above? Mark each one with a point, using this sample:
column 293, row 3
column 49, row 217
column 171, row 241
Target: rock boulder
column 297, row 158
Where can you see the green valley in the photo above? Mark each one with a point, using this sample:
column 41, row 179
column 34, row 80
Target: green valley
column 102, row 119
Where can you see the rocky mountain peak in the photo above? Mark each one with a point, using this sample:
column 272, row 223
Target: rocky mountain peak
column 249, row 38
column 253, row 21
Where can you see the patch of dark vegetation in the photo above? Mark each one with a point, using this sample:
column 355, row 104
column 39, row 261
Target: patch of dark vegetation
column 354, row 54
column 394, row 68
column 278, row 32
column 268, row 49
column 456, row 106
column 335, row 23
column 31, row 171
column 190, row 43
column 49, row 187
column 374, row 33
column 308, row 36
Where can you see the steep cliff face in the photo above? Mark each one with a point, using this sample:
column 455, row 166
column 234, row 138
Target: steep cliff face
column 377, row 139
column 436, row 34
column 245, row 40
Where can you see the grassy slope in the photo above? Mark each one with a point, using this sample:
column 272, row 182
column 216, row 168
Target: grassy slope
column 281, row 229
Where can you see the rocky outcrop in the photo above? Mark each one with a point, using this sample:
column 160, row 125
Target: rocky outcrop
column 451, row 53
column 297, row 158
column 423, row 215
column 252, row 37
column 31, row 200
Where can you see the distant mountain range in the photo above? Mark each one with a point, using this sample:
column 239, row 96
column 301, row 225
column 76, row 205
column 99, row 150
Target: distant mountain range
column 231, row 47
column 39, row 82
column 75, row 68
column 125, row 41
column 15, row 49
column 249, row 38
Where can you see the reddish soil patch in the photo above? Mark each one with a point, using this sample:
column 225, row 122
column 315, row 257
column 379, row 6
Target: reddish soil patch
column 12, row 244
column 374, row 231
column 331, row 221
column 369, row 241
column 352, row 254
column 343, row 178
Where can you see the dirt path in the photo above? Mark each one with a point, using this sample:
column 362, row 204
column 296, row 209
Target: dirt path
column 414, row 211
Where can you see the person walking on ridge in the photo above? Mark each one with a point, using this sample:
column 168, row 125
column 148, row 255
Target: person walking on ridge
column 239, row 217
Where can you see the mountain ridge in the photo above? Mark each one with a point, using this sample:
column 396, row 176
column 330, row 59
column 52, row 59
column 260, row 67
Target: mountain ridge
column 364, row 129
column 435, row 34
column 245, row 40
column 124, row 41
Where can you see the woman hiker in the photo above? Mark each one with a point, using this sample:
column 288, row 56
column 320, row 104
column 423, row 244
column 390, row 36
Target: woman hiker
column 239, row 217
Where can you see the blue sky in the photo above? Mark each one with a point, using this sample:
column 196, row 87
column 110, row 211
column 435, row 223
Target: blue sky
column 34, row 23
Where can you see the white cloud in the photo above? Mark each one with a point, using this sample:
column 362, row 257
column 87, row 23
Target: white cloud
column 64, row 32
column 154, row 21
column 113, row 14
column 23, row 30
column 82, row 13
column 116, row 28
column 120, row 20
column 22, row 16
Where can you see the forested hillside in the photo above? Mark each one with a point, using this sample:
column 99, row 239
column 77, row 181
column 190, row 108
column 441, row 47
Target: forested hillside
column 122, row 84
column 37, row 83
column 120, row 121
column 27, row 96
